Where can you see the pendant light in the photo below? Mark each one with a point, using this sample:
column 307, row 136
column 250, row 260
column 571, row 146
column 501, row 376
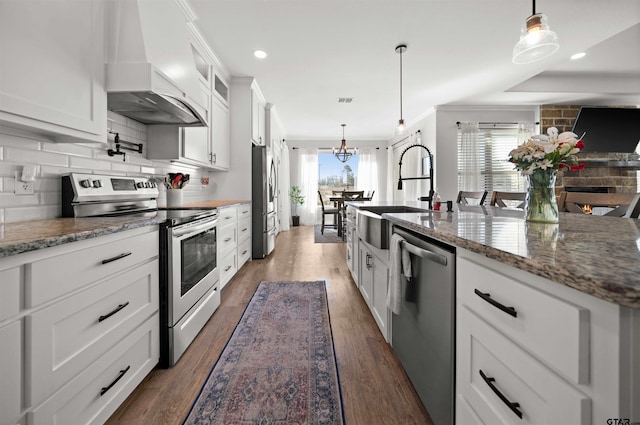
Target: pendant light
column 537, row 41
column 343, row 154
column 401, row 128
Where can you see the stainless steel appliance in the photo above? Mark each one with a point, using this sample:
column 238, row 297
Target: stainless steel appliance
column 423, row 334
column 264, row 200
column 189, row 276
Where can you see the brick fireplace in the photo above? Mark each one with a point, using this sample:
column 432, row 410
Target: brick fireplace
column 604, row 172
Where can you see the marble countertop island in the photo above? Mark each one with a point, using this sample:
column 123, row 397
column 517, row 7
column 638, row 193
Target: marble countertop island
column 596, row 255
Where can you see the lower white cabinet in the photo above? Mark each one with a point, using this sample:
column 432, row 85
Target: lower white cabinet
column 10, row 372
column 70, row 335
column 234, row 240
column 95, row 393
column 531, row 351
column 373, row 277
column 87, row 332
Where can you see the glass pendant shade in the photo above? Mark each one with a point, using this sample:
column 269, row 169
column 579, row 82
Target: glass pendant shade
column 401, row 129
column 537, row 41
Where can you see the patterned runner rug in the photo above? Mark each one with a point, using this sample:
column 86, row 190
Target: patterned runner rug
column 279, row 365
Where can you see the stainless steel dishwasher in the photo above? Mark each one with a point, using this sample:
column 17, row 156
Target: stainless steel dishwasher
column 423, row 334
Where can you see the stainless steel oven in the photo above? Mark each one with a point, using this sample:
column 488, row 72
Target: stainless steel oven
column 190, row 278
column 189, row 283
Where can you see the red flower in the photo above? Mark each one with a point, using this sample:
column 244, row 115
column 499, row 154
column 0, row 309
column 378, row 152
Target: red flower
column 580, row 145
column 577, row 167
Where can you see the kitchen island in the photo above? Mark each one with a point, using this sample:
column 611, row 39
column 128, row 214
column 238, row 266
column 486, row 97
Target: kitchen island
column 547, row 317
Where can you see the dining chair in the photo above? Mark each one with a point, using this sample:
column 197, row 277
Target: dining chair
column 498, row 199
column 634, row 207
column 328, row 211
column 369, row 195
column 576, row 202
column 353, row 195
column 464, row 196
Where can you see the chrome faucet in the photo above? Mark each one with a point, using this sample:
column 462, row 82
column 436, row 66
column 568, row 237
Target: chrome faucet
column 430, row 177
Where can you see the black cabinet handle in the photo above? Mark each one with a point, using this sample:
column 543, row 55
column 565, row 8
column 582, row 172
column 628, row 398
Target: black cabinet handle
column 487, row 297
column 120, row 375
column 117, row 309
column 117, row 257
column 513, row 406
column 227, row 268
column 227, row 239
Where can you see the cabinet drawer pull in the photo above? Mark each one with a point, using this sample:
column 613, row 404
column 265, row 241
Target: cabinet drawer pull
column 513, row 406
column 120, row 375
column 117, row 309
column 245, row 229
column 228, row 217
column 227, row 239
column 487, row 297
column 226, row 269
column 244, row 252
column 117, row 257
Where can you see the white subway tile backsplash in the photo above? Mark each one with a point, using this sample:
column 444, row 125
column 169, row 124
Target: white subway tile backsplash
column 24, row 156
column 125, row 168
column 93, row 164
column 69, row 149
column 20, row 147
column 41, row 212
column 48, row 185
column 9, row 199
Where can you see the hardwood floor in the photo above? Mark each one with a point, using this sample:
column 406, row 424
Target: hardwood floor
column 375, row 389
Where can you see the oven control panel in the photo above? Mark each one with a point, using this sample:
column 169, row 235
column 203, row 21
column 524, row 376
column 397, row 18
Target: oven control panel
column 88, row 187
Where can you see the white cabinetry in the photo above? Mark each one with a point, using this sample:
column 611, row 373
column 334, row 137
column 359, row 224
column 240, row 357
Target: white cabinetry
column 244, row 234
column 373, row 278
column 206, row 147
column 219, row 134
column 52, row 69
column 88, row 325
column 234, row 240
column 561, row 355
column 257, row 116
column 352, row 243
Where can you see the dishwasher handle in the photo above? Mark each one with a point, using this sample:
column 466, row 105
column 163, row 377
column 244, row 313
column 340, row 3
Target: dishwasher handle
column 424, row 253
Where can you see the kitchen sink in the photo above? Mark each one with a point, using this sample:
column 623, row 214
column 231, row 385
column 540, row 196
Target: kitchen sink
column 374, row 229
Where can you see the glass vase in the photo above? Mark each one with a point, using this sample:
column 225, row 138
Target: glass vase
column 541, row 205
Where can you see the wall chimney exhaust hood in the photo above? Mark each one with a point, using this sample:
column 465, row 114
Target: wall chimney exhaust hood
column 150, row 72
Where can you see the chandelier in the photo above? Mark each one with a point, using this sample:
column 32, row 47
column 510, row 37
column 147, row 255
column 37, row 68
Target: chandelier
column 342, row 153
column 537, row 41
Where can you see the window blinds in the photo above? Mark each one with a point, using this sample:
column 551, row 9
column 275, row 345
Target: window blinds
column 488, row 159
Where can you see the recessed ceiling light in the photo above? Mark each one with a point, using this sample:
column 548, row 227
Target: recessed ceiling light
column 260, row 54
column 578, row 56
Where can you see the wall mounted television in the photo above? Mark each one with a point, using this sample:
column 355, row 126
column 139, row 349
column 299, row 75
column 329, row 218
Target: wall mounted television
column 608, row 129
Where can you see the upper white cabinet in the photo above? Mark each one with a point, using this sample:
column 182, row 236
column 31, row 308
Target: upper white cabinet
column 219, row 134
column 52, row 68
column 257, row 116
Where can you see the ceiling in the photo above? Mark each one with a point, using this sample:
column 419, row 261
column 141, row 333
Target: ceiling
column 459, row 52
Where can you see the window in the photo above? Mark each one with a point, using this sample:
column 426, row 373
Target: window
column 483, row 158
column 334, row 175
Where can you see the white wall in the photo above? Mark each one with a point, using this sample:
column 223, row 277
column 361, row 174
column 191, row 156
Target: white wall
column 440, row 135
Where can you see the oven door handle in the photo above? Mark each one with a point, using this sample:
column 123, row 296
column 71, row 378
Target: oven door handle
column 193, row 229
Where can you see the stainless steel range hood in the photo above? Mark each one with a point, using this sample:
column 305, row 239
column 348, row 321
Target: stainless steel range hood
column 150, row 72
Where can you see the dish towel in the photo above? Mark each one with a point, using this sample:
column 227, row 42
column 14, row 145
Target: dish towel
column 400, row 268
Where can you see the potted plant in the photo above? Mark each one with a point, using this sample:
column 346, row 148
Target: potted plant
column 296, row 199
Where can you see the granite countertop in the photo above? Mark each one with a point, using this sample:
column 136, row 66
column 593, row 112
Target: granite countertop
column 596, row 255
column 25, row 236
